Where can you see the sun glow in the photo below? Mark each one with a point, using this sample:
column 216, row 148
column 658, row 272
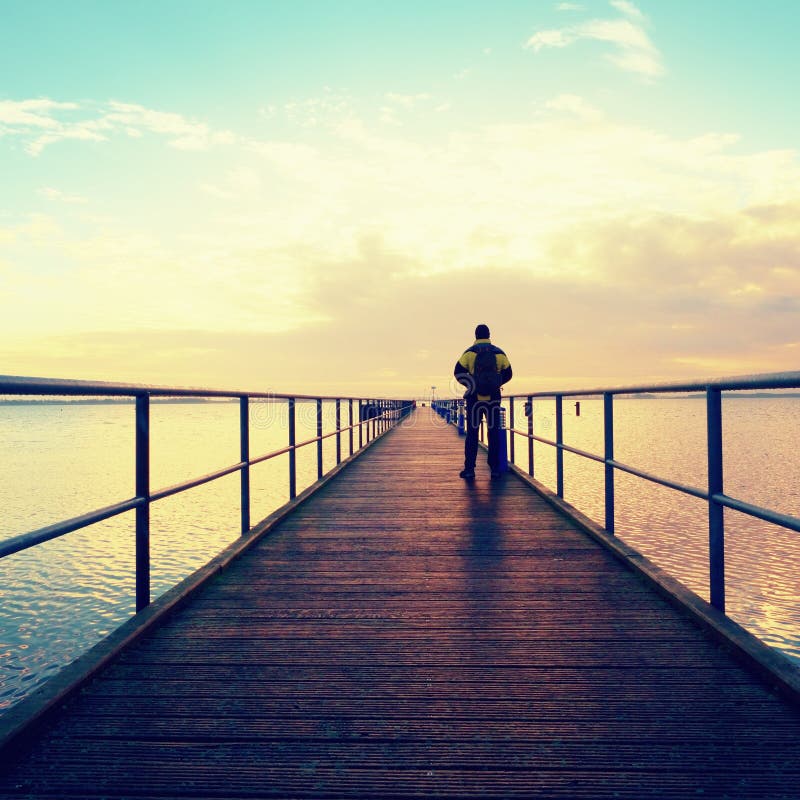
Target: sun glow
column 154, row 239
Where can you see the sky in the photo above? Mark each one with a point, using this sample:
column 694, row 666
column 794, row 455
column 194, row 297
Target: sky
column 327, row 196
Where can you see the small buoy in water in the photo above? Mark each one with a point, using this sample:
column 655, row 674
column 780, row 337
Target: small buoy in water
column 578, row 408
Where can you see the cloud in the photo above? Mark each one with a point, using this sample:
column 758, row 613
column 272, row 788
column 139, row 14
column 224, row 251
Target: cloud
column 319, row 111
column 396, row 104
column 43, row 122
column 87, row 132
column 31, row 113
column 633, row 52
column 182, row 134
column 628, row 8
column 659, row 297
column 56, row 194
column 547, row 228
column 573, row 104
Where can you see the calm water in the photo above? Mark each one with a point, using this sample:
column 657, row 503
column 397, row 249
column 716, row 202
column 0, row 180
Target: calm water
column 59, row 461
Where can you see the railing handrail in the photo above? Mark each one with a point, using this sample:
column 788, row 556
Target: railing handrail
column 382, row 414
column 20, row 385
column 767, row 380
column 714, row 495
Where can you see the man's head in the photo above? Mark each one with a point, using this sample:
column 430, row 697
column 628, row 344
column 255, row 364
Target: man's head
column 482, row 332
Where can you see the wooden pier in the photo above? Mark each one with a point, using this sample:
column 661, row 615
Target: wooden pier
column 405, row 634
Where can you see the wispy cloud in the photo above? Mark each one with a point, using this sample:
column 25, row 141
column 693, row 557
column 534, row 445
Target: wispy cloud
column 633, row 51
column 43, row 122
column 62, row 197
column 181, row 133
column 330, row 232
column 396, row 104
column 699, row 297
column 35, row 113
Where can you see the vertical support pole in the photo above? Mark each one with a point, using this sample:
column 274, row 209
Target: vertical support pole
column 338, row 431
column 292, row 452
column 530, row 435
column 502, row 441
column 608, row 428
column 143, row 492
column 511, row 434
column 360, row 424
column 350, row 422
column 559, row 442
column 244, row 457
column 319, row 438
column 716, row 525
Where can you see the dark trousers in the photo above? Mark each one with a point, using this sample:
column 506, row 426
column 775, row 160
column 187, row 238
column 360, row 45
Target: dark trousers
column 476, row 409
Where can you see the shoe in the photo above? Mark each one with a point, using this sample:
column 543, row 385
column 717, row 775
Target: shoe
column 496, row 476
column 467, row 474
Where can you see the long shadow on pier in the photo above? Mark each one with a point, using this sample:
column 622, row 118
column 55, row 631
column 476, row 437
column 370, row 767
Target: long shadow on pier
column 404, row 634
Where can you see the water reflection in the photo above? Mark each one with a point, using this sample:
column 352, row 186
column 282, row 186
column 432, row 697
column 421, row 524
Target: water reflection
column 60, row 598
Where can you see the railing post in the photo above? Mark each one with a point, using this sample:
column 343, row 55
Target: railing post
column 716, row 523
column 608, row 428
column 529, row 411
column 319, row 438
column 143, row 491
column 338, row 431
column 511, row 429
column 350, row 422
column 360, row 424
column 559, row 442
column 244, row 457
column 292, row 452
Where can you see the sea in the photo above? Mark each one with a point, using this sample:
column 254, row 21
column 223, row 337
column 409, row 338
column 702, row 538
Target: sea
column 63, row 459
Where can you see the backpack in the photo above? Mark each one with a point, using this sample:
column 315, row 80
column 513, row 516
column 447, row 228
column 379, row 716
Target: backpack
column 487, row 378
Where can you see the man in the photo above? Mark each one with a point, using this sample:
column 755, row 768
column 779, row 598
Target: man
column 482, row 369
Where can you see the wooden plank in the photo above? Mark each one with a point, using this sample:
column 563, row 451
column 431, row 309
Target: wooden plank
column 406, row 635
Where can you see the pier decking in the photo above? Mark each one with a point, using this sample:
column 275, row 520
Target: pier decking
column 404, row 634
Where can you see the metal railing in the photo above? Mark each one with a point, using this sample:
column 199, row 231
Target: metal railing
column 374, row 417
column 713, row 493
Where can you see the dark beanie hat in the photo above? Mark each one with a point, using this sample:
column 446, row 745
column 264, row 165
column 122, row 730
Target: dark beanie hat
column 482, row 332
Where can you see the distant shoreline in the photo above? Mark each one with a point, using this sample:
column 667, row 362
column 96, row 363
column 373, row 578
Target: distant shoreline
column 108, row 401
column 122, row 401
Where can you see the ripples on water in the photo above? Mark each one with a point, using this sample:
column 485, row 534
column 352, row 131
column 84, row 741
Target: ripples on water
column 60, row 598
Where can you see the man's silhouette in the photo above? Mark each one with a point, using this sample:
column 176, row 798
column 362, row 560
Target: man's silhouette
column 482, row 369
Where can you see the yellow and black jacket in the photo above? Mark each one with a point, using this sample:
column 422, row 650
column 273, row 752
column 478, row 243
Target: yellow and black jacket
column 465, row 368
